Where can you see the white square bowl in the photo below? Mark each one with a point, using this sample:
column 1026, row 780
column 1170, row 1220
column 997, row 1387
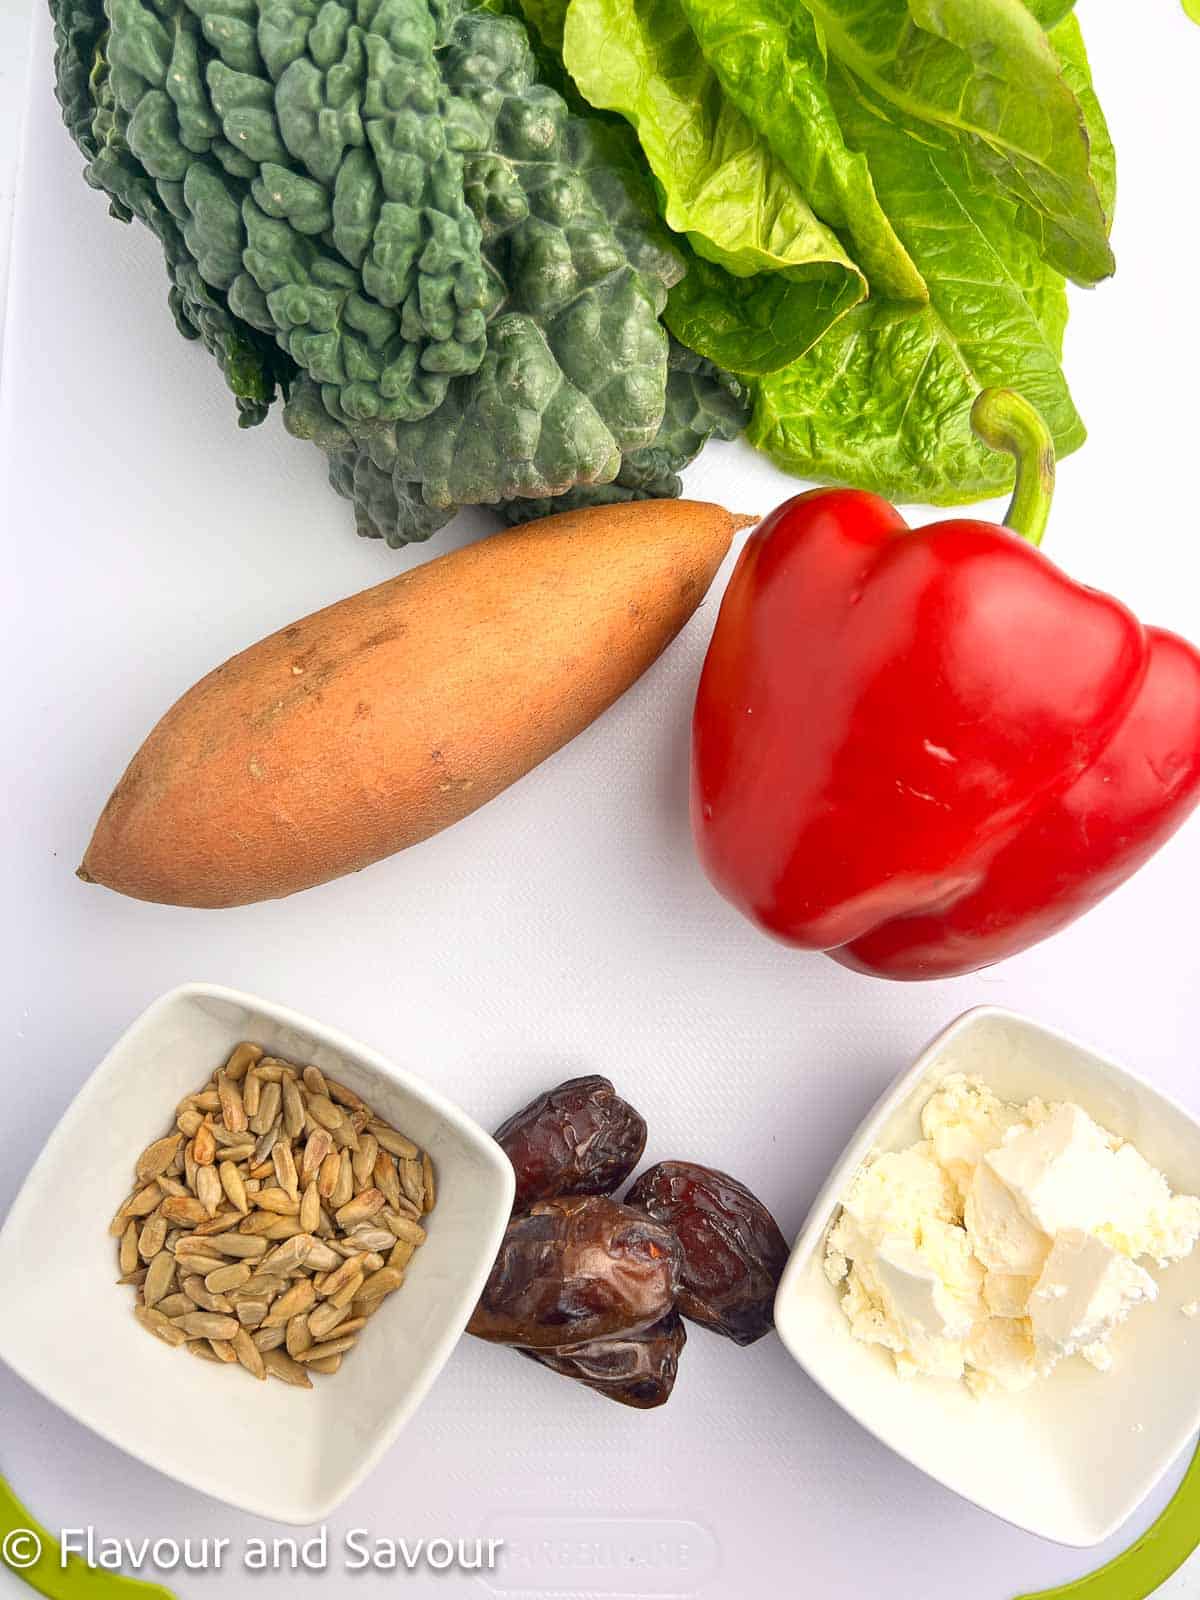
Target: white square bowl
column 1072, row 1457
column 77, row 1341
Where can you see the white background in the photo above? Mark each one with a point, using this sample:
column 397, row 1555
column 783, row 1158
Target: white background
column 565, row 928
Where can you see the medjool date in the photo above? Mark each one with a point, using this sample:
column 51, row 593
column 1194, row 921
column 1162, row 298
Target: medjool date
column 733, row 1252
column 578, row 1269
column 580, row 1138
column 635, row 1369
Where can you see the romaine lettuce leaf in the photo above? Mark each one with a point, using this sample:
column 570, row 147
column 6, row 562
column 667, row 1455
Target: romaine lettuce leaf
column 775, row 72
column 884, row 401
column 984, row 75
column 721, row 185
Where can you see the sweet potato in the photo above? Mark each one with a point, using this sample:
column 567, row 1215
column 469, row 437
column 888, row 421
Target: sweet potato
column 380, row 720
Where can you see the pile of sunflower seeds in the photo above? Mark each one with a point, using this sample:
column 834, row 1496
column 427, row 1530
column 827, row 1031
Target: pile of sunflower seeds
column 273, row 1221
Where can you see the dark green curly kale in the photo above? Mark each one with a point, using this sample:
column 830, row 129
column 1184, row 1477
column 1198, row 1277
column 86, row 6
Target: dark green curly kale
column 377, row 208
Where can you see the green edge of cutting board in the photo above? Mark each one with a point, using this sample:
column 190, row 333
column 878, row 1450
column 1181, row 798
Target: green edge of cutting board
column 1166, row 1543
column 73, row 1581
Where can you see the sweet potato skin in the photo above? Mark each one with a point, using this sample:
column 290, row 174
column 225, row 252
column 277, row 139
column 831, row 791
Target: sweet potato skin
column 380, row 720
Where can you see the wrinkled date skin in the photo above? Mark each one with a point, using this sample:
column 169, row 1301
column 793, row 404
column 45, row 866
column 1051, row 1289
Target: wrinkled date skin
column 635, row 1369
column 578, row 1269
column 733, row 1252
column 580, row 1138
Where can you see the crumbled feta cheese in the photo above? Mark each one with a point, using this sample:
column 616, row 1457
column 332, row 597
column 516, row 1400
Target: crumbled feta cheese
column 1004, row 1241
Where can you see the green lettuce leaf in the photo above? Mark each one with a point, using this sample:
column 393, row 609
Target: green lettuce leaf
column 1067, row 39
column 983, row 74
column 720, row 184
column 775, row 74
column 884, row 401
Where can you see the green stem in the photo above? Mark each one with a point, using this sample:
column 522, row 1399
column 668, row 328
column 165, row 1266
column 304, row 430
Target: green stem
column 32, row 1554
column 1004, row 420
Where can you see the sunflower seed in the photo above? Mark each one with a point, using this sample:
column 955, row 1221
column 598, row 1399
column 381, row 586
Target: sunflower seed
column 372, row 1238
column 301, row 1297
column 157, row 1157
column 316, row 1147
column 345, row 1273
column 247, row 1352
column 322, row 1257
column 200, row 1265
column 257, row 1223
column 225, row 1278
column 234, row 1186
column 184, row 1208
column 404, row 1227
column 223, row 1350
column 343, row 1189
column 293, row 1108
column 208, row 1190
column 207, row 1325
column 161, row 1327
column 140, row 1204
column 323, row 1320
column 395, row 1143
column 201, row 1348
column 153, row 1236
column 219, row 1222
column 137, row 1277
column 206, row 1100
column 280, row 1365
column 267, row 1339
column 289, row 1256
column 232, row 1109
column 349, row 1291
column 298, row 1336
column 188, row 1121
column 168, row 1185
column 268, row 1108
column 251, row 1092
column 402, row 1253
column 361, row 1209
column 251, row 1312
column 243, row 1058
column 323, row 1111
column 197, row 1291
column 175, row 1305
column 428, row 1185
column 127, row 1254
column 310, row 1209
column 330, row 1173
column 204, row 1145
column 383, row 1282
column 271, row 1069
column 314, row 1081
column 343, row 1095
column 160, row 1275
column 345, row 1136
column 387, row 1179
column 241, row 1245
column 285, row 1171
column 333, row 1347
column 363, row 1161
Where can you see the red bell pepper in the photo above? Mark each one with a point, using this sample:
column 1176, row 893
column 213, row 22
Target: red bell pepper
column 922, row 751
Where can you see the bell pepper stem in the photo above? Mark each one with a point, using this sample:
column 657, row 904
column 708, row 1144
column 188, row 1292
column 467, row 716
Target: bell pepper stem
column 1006, row 421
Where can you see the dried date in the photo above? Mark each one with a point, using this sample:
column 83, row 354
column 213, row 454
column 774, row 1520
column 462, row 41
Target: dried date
column 580, row 1138
column 733, row 1252
column 635, row 1369
column 577, row 1269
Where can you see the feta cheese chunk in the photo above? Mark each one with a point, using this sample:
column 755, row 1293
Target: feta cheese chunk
column 1003, row 1242
column 1085, row 1291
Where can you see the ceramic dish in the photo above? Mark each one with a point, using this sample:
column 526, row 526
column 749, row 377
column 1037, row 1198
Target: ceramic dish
column 1073, row 1456
column 77, row 1340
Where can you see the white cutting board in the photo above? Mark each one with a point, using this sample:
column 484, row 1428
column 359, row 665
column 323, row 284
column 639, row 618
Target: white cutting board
column 565, row 928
